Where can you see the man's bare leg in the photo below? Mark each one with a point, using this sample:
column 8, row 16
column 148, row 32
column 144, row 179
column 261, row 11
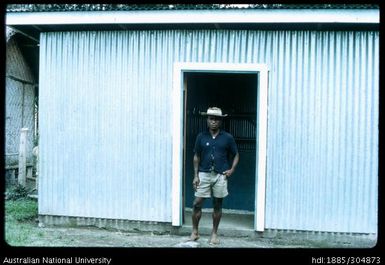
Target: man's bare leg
column 217, row 214
column 196, row 216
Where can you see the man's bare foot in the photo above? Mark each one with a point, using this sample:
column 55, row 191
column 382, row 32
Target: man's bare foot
column 194, row 236
column 214, row 239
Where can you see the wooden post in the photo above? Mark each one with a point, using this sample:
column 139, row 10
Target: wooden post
column 35, row 152
column 23, row 157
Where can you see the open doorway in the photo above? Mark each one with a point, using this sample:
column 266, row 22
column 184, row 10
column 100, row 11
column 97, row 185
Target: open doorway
column 243, row 85
column 236, row 95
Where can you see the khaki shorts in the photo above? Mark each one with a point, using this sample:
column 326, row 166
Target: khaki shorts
column 211, row 184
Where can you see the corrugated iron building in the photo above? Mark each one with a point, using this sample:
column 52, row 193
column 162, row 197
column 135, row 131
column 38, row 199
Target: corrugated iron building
column 20, row 91
column 109, row 106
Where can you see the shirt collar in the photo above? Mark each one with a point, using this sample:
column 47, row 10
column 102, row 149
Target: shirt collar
column 208, row 131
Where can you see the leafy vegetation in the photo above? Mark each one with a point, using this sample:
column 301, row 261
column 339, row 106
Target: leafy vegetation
column 16, row 192
column 122, row 7
column 20, row 216
column 21, row 210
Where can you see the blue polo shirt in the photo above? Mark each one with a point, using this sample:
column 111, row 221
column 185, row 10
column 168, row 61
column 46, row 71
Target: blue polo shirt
column 214, row 152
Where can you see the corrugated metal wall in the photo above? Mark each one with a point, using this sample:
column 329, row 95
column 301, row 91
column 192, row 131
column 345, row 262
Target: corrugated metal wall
column 105, row 122
column 19, row 100
column 323, row 132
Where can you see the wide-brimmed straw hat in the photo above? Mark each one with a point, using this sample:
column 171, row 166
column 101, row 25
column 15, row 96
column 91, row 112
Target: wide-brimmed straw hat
column 214, row 111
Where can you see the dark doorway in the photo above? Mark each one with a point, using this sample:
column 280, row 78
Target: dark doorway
column 236, row 95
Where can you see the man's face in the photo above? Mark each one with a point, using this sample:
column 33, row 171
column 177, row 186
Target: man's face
column 213, row 122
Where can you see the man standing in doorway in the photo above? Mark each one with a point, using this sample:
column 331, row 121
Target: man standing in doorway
column 214, row 149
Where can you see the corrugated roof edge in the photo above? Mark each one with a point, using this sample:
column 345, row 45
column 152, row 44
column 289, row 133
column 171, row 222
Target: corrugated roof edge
column 131, row 7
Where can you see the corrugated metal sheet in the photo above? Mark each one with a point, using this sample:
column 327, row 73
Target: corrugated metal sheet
column 19, row 103
column 323, row 132
column 105, row 122
column 105, row 143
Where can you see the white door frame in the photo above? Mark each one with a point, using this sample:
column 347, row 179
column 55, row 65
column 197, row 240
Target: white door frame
column 177, row 132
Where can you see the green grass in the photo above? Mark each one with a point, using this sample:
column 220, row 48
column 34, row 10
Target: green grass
column 21, row 210
column 20, row 216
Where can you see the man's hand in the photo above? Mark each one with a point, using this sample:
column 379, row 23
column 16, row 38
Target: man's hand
column 228, row 173
column 196, row 182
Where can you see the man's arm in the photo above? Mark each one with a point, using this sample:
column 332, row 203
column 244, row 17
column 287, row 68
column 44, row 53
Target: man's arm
column 229, row 172
column 196, row 161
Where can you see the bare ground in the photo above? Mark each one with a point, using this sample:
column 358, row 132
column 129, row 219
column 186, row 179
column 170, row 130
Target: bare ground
column 99, row 237
column 119, row 247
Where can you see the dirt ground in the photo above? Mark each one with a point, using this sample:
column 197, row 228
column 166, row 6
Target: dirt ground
column 96, row 237
column 118, row 247
column 56, row 236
